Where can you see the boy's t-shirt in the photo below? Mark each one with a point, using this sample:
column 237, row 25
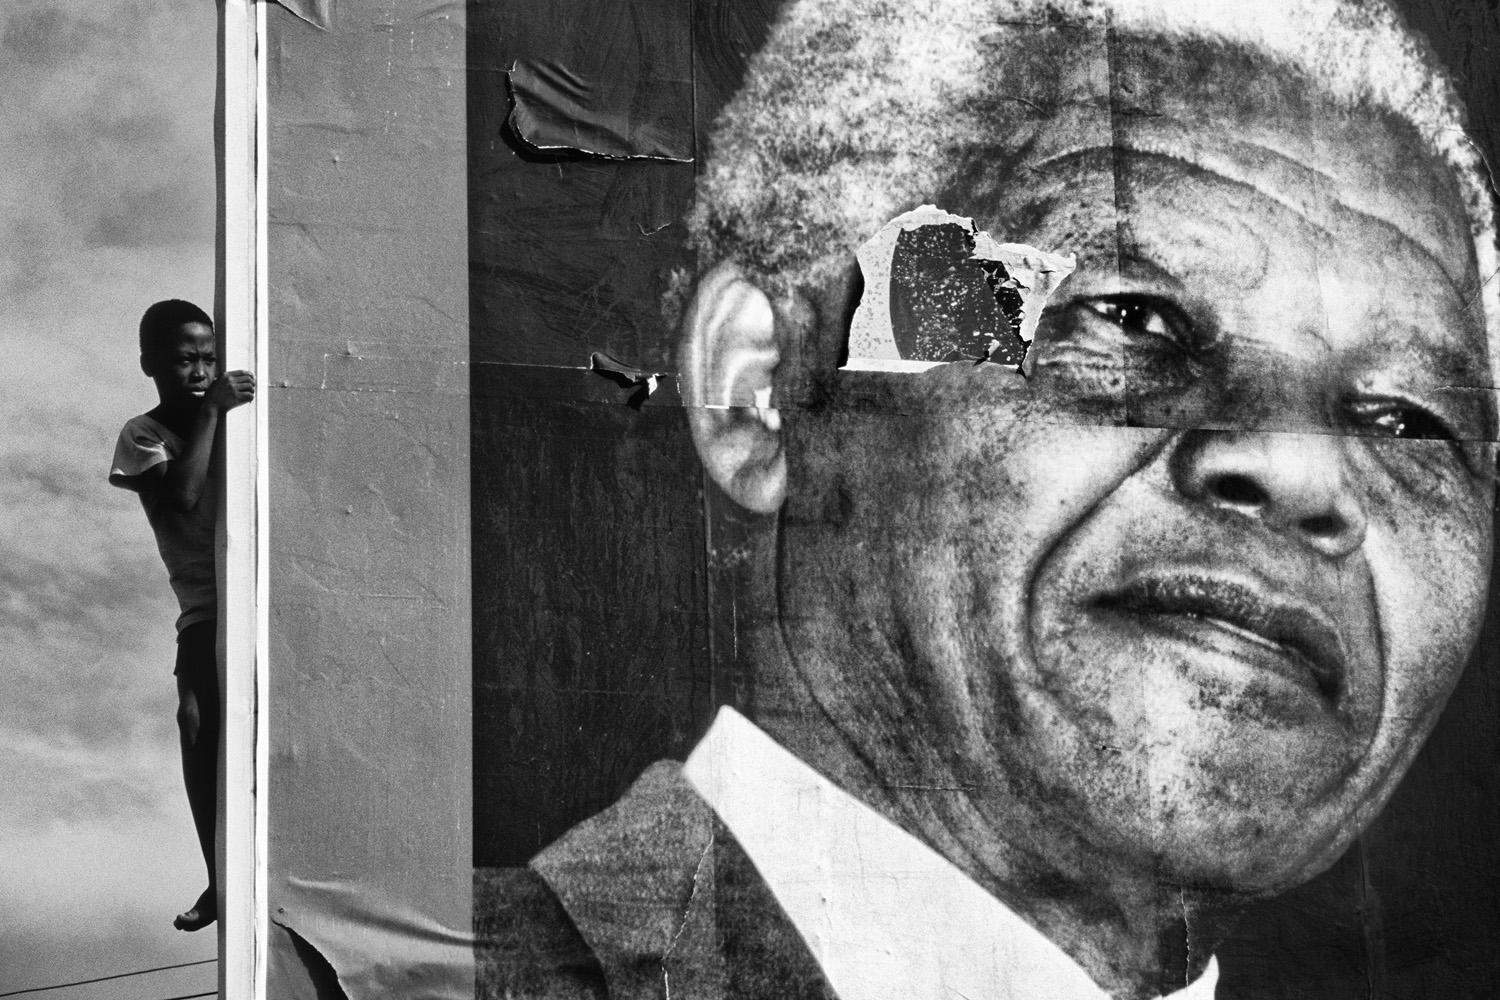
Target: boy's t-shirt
column 186, row 541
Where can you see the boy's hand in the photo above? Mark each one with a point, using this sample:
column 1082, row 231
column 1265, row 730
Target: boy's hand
column 230, row 390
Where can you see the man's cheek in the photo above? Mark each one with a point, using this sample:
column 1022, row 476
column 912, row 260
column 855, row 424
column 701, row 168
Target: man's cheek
column 1430, row 580
column 912, row 466
column 1062, row 471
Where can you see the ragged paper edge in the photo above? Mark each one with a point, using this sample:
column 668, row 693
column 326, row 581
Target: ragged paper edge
column 1036, row 274
column 640, row 382
column 377, row 945
column 318, row 13
column 521, row 112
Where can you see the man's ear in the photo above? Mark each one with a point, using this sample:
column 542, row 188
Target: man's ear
column 728, row 358
column 147, row 366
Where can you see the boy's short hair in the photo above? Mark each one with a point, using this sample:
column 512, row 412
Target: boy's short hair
column 165, row 318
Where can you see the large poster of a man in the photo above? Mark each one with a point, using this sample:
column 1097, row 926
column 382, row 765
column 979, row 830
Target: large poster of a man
column 1035, row 670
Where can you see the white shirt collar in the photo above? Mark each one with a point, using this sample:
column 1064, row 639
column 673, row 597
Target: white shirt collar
column 883, row 914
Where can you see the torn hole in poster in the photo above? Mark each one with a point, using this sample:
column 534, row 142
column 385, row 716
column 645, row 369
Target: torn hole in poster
column 938, row 290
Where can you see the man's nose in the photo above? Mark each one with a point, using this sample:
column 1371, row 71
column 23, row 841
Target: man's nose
column 1292, row 483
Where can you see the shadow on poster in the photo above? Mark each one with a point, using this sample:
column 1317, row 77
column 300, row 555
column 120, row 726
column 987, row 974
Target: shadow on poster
column 1095, row 662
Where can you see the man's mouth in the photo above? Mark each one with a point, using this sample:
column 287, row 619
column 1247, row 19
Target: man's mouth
column 1265, row 629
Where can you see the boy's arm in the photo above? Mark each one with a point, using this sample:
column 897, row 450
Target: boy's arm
column 181, row 481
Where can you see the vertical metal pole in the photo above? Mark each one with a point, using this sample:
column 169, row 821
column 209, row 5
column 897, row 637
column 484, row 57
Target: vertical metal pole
column 243, row 538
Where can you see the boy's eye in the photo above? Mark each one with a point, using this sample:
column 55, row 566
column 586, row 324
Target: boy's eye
column 1398, row 418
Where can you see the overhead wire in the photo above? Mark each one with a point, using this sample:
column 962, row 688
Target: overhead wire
column 117, row 975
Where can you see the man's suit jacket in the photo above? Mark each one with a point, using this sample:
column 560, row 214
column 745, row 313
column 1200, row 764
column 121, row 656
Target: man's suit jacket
column 652, row 898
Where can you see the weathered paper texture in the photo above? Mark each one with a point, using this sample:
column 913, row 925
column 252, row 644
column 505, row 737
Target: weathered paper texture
column 367, row 256
column 377, row 946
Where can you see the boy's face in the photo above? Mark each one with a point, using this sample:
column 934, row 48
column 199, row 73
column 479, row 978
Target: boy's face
column 185, row 365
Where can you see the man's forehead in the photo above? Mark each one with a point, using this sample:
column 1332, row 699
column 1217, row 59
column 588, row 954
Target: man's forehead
column 1294, row 148
column 1140, row 219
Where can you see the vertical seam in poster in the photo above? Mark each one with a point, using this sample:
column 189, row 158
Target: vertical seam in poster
column 693, row 76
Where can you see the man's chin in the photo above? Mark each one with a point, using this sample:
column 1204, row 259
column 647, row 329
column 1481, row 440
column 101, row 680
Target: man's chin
column 1250, row 857
column 1209, row 774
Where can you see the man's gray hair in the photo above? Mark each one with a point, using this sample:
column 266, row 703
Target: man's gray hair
column 852, row 108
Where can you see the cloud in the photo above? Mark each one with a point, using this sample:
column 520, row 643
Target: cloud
column 45, row 35
column 106, row 205
column 97, row 146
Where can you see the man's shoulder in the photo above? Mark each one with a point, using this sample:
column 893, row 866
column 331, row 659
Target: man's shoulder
column 629, row 875
column 643, row 835
column 596, row 913
column 652, row 891
column 526, row 945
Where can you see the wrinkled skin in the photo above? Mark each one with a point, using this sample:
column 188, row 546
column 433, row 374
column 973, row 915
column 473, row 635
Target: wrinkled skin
column 1085, row 660
column 1158, row 628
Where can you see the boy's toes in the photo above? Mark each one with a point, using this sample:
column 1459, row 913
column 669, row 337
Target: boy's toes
column 203, row 913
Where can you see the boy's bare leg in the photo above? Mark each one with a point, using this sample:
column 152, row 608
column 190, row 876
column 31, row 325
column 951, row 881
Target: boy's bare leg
column 198, row 726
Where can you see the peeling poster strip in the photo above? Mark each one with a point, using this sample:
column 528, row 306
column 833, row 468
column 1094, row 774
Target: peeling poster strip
column 641, row 382
column 318, row 13
column 937, row 290
column 377, row 947
column 556, row 108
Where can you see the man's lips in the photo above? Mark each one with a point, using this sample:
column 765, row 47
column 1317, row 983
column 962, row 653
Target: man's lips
column 1290, row 636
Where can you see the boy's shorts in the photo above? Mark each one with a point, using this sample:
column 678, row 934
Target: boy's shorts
column 197, row 650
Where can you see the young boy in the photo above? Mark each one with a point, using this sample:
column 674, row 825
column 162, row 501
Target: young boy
column 165, row 455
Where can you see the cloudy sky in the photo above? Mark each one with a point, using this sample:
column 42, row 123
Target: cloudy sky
column 107, row 187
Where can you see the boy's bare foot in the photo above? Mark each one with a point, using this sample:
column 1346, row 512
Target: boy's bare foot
column 203, row 913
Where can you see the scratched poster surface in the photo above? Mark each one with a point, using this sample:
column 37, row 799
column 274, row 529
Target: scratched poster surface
column 983, row 498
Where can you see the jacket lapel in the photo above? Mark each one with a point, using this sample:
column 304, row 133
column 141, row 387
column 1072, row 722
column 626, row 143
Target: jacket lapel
column 671, row 906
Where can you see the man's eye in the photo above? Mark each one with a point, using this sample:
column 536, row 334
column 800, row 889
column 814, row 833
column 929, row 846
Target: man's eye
column 1400, row 419
column 1140, row 316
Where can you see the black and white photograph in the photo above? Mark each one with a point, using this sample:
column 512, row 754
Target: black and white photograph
column 752, row 500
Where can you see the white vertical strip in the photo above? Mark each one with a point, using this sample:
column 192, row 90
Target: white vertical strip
column 241, row 593
column 261, row 803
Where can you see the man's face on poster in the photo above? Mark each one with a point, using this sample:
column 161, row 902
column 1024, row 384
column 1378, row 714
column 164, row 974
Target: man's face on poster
column 1192, row 593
